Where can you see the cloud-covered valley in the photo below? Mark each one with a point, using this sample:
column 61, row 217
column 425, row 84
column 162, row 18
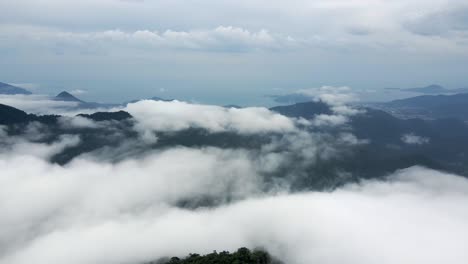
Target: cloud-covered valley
column 167, row 178
column 98, row 213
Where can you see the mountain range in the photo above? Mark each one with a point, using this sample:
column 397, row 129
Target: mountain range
column 429, row 107
column 385, row 150
column 440, row 121
column 431, row 89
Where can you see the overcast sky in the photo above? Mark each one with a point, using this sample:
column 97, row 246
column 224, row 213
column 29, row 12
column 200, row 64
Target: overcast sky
column 230, row 51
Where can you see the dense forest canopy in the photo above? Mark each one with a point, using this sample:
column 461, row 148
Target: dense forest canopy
column 241, row 256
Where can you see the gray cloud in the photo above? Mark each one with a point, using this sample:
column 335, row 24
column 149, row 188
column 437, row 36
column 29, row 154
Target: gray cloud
column 77, row 92
column 219, row 39
column 28, row 86
column 444, row 22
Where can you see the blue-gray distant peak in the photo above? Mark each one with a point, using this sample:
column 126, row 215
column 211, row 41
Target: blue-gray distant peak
column 6, row 88
column 432, row 89
column 66, row 96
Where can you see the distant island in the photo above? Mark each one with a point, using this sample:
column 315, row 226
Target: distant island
column 431, row 89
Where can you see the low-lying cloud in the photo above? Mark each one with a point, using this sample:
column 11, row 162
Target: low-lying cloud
column 337, row 98
column 39, row 104
column 108, row 215
column 413, row 139
column 176, row 115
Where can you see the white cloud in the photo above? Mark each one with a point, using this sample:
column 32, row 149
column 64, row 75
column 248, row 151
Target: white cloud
column 413, row 139
column 329, row 120
column 176, row 115
column 331, row 95
column 352, row 139
column 70, row 122
column 47, row 105
column 40, row 104
column 338, row 99
column 24, row 148
column 86, row 190
column 418, row 216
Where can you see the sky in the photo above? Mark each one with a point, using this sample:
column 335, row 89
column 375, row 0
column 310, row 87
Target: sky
column 230, row 52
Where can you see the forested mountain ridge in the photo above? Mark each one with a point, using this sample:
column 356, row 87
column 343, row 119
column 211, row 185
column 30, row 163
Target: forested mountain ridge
column 389, row 143
column 241, row 256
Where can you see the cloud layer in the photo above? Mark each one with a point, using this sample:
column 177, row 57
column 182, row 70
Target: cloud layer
column 111, row 216
column 219, row 39
column 40, row 104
